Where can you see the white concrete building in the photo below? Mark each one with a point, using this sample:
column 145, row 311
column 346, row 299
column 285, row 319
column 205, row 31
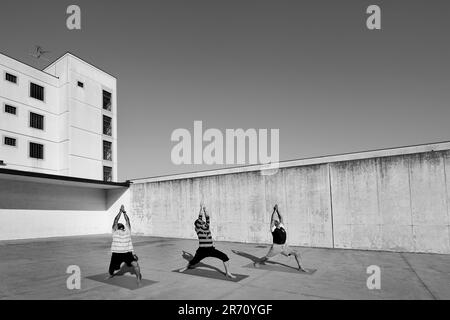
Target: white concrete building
column 61, row 120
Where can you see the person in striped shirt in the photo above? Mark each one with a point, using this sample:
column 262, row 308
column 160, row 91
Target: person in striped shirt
column 122, row 247
column 206, row 246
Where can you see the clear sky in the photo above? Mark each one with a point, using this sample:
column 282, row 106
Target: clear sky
column 308, row 68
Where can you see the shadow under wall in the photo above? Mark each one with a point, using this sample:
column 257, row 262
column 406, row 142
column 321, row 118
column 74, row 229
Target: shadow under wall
column 19, row 195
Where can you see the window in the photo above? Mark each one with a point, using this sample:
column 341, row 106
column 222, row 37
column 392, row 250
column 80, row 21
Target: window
column 107, row 150
column 10, row 109
column 107, row 174
column 36, row 91
column 36, row 121
column 9, row 141
column 11, row 78
column 36, row 150
column 107, row 125
column 106, row 100
column 80, row 84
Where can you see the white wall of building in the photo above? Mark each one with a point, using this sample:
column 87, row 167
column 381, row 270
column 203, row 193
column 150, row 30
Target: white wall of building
column 26, row 224
column 41, row 210
column 17, row 126
column 73, row 126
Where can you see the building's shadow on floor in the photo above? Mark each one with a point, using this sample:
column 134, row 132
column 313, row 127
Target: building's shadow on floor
column 188, row 257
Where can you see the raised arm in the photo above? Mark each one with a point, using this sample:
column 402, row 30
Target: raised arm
column 200, row 213
column 279, row 214
column 200, row 223
column 206, row 215
column 272, row 219
column 116, row 219
column 127, row 219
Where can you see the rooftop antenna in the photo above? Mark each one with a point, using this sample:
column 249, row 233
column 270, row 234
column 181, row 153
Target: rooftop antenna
column 38, row 54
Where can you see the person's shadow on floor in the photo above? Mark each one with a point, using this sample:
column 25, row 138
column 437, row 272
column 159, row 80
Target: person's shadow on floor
column 255, row 259
column 188, row 257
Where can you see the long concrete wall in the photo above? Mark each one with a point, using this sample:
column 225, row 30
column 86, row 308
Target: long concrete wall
column 397, row 201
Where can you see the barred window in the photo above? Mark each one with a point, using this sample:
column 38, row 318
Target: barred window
column 36, row 150
column 107, row 174
column 36, row 121
column 10, row 109
column 36, row 91
column 10, row 141
column 107, row 125
column 11, row 78
column 107, row 150
column 106, row 100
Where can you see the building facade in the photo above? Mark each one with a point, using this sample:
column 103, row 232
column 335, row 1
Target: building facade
column 61, row 120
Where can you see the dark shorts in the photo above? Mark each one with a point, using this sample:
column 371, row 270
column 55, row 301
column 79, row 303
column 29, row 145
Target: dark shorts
column 118, row 258
column 203, row 253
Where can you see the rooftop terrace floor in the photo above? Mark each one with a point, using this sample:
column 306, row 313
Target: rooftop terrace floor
column 36, row 269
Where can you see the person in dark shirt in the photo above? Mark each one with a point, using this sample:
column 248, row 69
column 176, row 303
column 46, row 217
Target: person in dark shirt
column 279, row 241
column 206, row 246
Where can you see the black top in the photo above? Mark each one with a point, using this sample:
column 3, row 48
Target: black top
column 279, row 235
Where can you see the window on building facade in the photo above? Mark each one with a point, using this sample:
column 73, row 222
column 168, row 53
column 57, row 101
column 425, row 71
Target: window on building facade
column 10, row 109
column 10, row 141
column 36, row 91
column 107, row 126
column 10, row 77
column 36, row 121
column 107, row 174
column 107, row 150
column 107, row 100
column 36, row 150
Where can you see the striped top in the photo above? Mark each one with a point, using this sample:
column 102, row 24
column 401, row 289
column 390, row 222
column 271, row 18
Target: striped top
column 203, row 232
column 121, row 241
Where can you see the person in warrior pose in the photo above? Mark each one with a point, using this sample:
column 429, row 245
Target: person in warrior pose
column 279, row 241
column 122, row 247
column 206, row 246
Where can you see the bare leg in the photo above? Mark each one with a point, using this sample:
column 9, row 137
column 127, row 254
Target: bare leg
column 137, row 269
column 297, row 256
column 194, row 261
column 184, row 269
column 273, row 251
column 227, row 270
column 260, row 262
column 117, row 271
column 188, row 266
